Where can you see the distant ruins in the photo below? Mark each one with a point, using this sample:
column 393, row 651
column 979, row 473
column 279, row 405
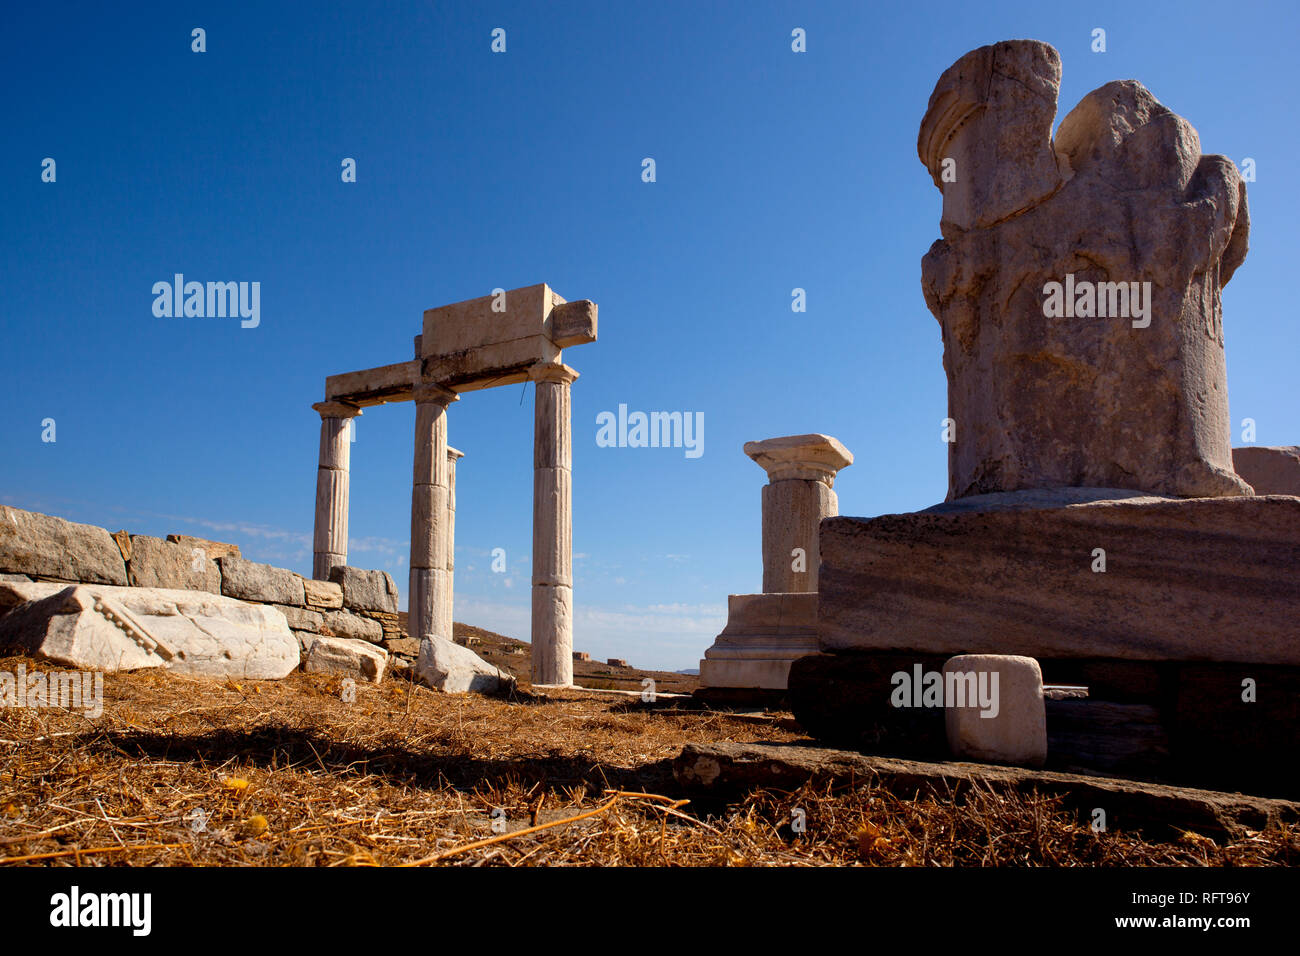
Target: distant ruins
column 498, row 339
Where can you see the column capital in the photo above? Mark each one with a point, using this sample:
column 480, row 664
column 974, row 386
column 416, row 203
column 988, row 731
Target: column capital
column 431, row 393
column 552, row 372
column 807, row 457
column 337, row 409
column 454, row 454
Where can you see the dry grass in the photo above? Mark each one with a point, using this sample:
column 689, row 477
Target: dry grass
column 180, row 771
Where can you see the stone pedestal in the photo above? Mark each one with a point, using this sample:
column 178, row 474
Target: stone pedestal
column 429, row 600
column 766, row 632
column 332, row 480
column 552, row 630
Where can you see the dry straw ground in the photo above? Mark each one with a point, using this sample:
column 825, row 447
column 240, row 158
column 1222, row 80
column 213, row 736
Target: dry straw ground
column 181, row 772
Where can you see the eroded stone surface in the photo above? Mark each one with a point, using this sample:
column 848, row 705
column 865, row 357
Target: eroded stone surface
column 322, row 594
column 107, row 628
column 366, row 590
column 210, row 549
column 990, row 120
column 1128, row 401
column 44, row 546
column 250, row 581
column 343, row 624
column 347, row 658
column 453, row 669
column 156, row 563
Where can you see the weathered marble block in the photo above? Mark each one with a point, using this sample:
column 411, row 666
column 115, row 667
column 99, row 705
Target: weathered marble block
column 366, row 590
column 100, row 627
column 1208, row 579
column 453, row 669
column 251, row 581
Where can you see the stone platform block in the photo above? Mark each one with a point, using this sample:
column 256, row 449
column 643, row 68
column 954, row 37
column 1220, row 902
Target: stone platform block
column 994, row 709
column 1201, row 579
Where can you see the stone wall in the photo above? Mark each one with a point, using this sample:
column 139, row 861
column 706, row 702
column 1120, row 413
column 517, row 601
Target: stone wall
column 355, row 603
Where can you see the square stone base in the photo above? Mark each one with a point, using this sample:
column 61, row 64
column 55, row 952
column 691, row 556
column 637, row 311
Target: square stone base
column 765, row 633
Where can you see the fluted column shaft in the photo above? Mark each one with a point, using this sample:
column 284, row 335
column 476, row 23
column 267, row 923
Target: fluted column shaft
column 450, row 561
column 429, row 599
column 552, row 630
column 330, row 536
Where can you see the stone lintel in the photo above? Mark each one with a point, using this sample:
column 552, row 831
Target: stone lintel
column 374, row 386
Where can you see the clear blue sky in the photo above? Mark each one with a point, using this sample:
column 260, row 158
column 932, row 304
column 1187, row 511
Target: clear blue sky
column 476, row 170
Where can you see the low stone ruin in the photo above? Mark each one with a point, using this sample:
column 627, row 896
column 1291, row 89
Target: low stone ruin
column 1095, row 525
column 80, row 596
column 494, row 340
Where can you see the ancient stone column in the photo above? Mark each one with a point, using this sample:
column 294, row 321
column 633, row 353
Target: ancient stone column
column 552, row 527
column 429, row 600
column 801, row 473
column 331, row 533
column 450, row 564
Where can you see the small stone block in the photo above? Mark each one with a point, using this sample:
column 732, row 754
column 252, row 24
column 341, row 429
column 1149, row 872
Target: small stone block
column 994, row 709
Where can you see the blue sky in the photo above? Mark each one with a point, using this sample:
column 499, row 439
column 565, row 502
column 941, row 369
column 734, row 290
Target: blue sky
column 476, row 170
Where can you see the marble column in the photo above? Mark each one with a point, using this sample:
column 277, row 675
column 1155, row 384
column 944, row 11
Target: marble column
column 767, row 632
column 450, row 562
column 552, row 527
column 332, row 479
column 429, row 597
column 801, row 473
